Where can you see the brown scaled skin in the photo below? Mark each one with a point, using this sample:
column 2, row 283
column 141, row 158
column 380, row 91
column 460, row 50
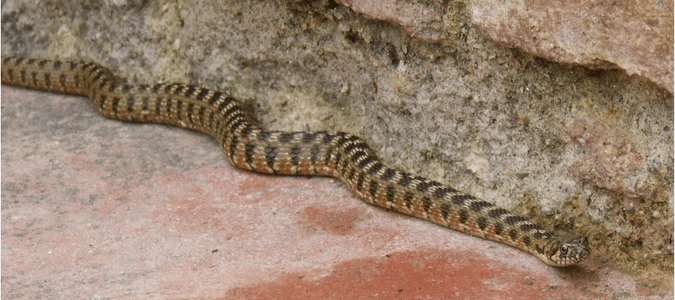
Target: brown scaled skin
column 249, row 146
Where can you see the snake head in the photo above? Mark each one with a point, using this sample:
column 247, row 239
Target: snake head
column 567, row 249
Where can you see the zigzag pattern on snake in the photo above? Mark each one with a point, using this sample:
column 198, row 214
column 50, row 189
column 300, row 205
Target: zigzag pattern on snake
column 336, row 154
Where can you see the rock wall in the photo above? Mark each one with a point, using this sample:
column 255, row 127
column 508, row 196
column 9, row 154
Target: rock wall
column 634, row 36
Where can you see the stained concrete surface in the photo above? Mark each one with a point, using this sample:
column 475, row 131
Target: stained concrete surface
column 98, row 209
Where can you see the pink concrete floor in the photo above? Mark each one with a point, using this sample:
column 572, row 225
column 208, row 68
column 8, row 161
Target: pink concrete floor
column 94, row 208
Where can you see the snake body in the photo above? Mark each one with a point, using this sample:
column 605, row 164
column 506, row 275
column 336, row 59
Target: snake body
column 249, row 146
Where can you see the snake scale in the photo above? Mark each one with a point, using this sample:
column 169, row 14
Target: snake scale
column 249, row 146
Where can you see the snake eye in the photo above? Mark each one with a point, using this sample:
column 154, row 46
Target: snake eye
column 563, row 249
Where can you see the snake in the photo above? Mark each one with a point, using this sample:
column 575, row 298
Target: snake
column 248, row 145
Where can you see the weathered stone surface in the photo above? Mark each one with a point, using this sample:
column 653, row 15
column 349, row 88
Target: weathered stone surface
column 603, row 34
column 611, row 160
column 636, row 36
column 423, row 20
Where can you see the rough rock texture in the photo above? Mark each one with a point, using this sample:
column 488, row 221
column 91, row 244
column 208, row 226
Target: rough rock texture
column 496, row 122
column 612, row 161
column 635, row 36
column 421, row 19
